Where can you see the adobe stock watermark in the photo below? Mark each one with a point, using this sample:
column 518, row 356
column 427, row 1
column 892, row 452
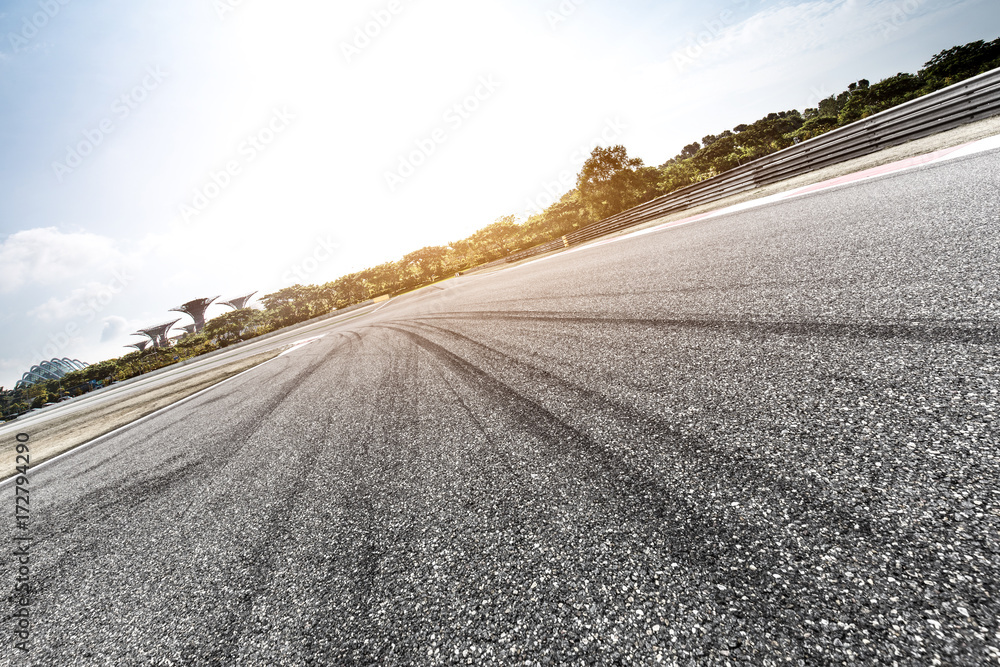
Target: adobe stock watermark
column 364, row 35
column 566, row 180
column 713, row 30
column 562, row 12
column 454, row 118
column 23, row 589
column 90, row 308
column 247, row 152
column 325, row 250
column 30, row 27
column 901, row 13
column 223, row 7
column 121, row 108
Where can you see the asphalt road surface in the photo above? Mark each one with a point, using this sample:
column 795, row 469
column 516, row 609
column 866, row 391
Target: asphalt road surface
column 768, row 438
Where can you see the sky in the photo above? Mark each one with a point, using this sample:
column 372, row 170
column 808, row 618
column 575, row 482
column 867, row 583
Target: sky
column 152, row 153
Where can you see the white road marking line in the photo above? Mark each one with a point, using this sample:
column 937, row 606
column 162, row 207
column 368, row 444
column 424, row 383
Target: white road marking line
column 300, row 344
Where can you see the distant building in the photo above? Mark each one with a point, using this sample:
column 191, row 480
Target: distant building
column 141, row 345
column 53, row 369
column 158, row 334
column 239, row 303
column 196, row 309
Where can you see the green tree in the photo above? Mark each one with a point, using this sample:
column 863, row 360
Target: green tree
column 611, row 182
column 816, row 126
column 885, row 94
column 961, row 62
column 677, row 175
column 560, row 218
column 350, row 289
column 495, row 240
column 689, row 150
column 425, row 265
column 769, row 134
column 233, row 326
column 298, row 303
column 720, row 155
column 828, row 107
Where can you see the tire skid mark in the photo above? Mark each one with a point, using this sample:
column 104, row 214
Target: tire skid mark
column 260, row 561
column 650, row 426
column 372, row 466
column 978, row 333
column 741, row 470
column 590, row 459
column 156, row 484
column 501, row 454
column 680, row 289
column 255, row 627
column 515, row 479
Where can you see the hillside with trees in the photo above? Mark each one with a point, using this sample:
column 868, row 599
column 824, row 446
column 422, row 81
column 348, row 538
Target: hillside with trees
column 609, row 182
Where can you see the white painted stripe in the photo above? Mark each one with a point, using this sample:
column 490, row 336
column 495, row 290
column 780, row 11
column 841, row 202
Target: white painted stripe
column 300, row 344
column 987, row 144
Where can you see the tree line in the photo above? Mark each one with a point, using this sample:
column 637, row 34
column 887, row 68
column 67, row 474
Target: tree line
column 609, row 182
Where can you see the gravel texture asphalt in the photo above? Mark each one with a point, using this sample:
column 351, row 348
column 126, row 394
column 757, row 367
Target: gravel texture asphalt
column 769, row 438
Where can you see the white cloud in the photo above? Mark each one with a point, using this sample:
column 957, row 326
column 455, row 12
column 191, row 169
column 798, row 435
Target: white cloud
column 48, row 256
column 787, row 55
column 784, row 34
column 114, row 327
column 76, row 304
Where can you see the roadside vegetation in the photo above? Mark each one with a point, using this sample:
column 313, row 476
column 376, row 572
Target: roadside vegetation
column 609, row 182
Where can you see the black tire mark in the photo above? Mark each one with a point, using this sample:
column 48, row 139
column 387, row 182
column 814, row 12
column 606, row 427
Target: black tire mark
column 978, row 333
column 641, row 496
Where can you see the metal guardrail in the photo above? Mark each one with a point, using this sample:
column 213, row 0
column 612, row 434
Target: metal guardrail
column 964, row 102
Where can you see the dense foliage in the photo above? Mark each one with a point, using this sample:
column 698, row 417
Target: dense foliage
column 609, row 182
